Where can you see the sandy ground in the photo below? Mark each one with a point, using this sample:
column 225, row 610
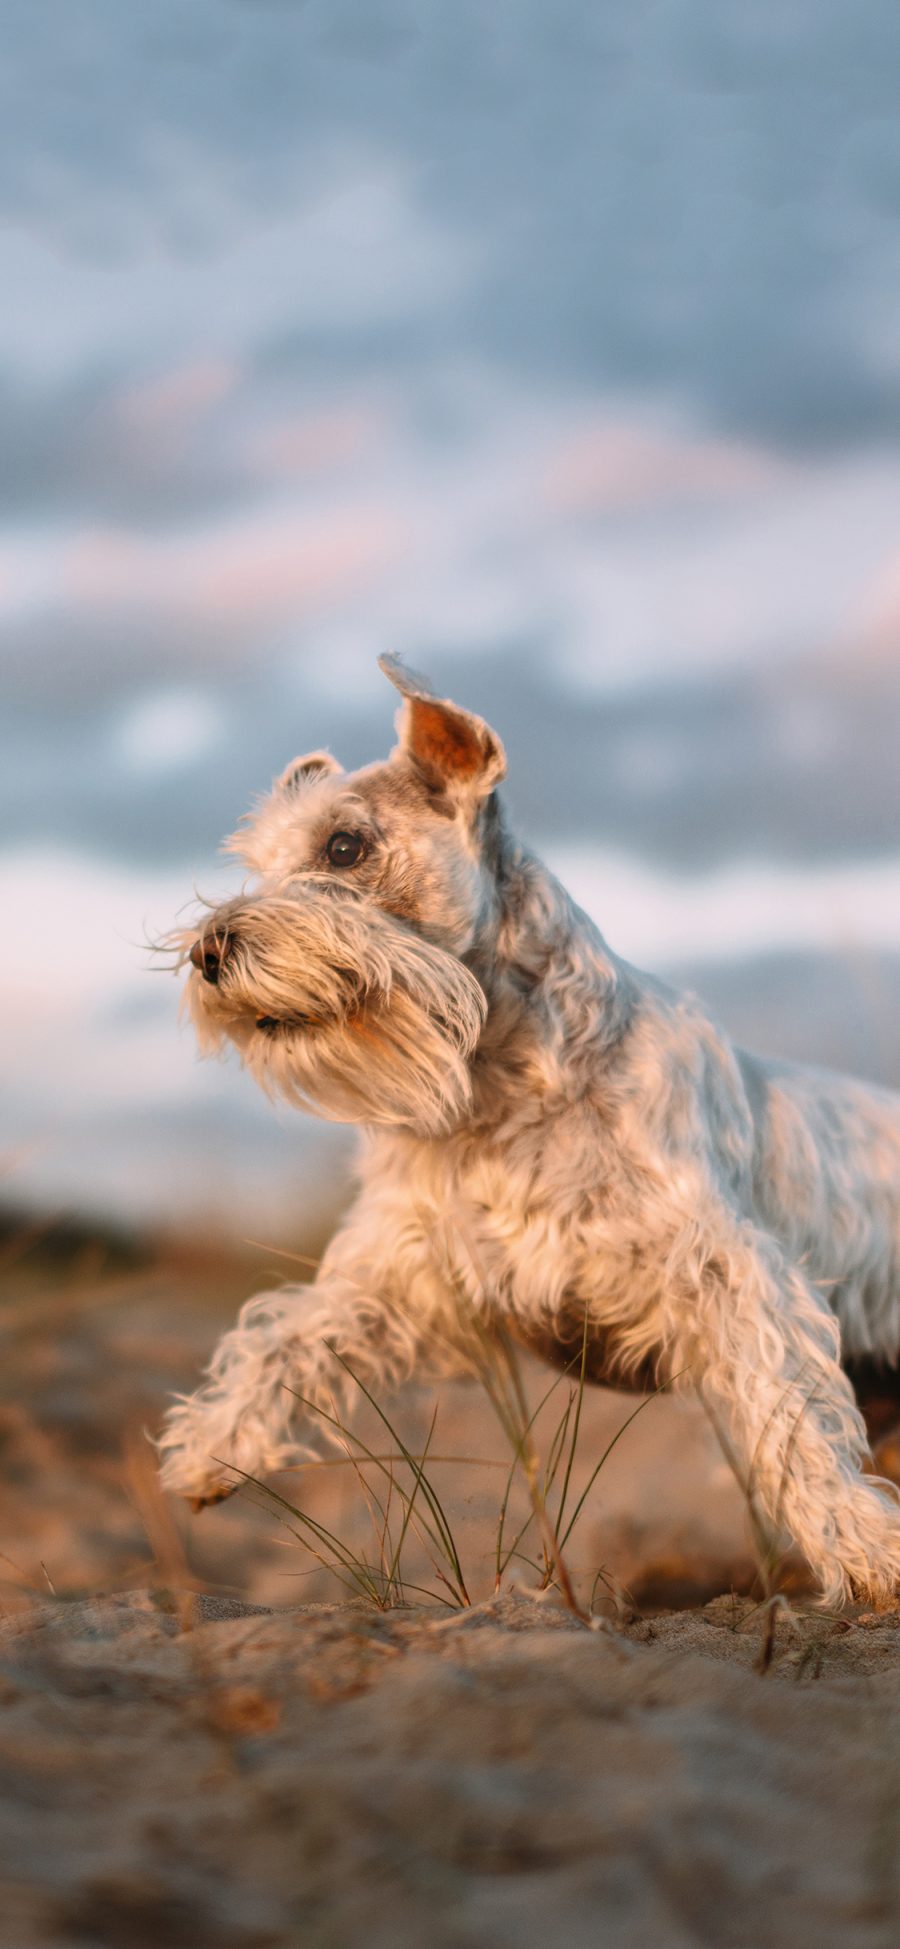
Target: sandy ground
column 193, row 1753
column 333, row 1776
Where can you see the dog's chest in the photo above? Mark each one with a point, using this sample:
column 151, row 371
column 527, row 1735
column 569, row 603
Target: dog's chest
column 529, row 1220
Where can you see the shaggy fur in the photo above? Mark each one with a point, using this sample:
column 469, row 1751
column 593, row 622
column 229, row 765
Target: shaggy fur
column 550, row 1136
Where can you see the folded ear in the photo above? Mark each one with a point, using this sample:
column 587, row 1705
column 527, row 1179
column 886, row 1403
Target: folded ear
column 453, row 748
column 316, row 764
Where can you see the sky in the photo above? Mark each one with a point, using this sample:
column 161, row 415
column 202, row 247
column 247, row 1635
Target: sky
column 557, row 347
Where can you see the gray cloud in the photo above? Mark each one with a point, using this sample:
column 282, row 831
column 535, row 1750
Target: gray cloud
column 798, row 765
column 701, row 198
column 63, row 449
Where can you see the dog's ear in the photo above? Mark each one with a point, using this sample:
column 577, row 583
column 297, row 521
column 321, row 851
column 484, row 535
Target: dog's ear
column 453, row 749
column 316, row 764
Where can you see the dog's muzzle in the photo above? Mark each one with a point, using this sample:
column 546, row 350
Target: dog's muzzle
column 213, row 955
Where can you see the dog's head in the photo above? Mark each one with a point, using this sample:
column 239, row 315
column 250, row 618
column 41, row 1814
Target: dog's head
column 342, row 971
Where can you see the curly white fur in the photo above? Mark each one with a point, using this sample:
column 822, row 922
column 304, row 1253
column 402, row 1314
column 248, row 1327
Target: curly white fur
column 549, row 1134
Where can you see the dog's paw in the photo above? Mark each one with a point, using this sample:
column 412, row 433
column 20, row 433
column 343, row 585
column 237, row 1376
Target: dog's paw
column 194, row 1478
column 211, row 1496
column 192, row 1458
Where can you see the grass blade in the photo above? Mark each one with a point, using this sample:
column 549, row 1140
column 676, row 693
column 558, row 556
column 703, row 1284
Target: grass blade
column 609, row 1449
column 429, row 1492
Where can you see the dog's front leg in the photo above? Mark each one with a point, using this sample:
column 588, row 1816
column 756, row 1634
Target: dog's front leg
column 765, row 1352
column 380, row 1319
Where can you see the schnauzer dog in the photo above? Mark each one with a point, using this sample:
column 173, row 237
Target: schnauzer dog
column 554, row 1143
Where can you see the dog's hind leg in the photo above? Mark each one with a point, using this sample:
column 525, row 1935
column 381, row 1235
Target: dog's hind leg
column 766, row 1358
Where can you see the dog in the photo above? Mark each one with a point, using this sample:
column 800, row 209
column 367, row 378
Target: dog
column 555, row 1144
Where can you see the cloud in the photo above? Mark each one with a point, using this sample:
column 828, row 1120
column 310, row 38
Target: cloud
column 694, row 201
column 176, row 400
column 93, row 445
column 747, row 908
column 314, row 443
column 237, row 575
column 614, row 465
column 166, row 730
column 633, row 555
column 873, row 627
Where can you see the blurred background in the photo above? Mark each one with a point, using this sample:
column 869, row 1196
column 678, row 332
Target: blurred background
column 554, row 346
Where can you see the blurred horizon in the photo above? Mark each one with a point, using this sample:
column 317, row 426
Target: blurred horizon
column 554, row 348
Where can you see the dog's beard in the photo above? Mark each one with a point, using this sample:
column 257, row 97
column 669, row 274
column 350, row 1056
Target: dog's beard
column 340, row 1009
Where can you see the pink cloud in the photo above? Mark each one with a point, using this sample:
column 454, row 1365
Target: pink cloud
column 184, row 394
column 282, row 569
column 874, row 625
column 313, row 442
column 614, row 465
column 254, row 572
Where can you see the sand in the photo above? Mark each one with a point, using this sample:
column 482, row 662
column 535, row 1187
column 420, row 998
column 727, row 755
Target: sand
column 503, row 1776
column 195, row 1756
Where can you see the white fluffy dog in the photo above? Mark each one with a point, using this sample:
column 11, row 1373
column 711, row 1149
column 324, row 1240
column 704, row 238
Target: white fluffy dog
column 551, row 1138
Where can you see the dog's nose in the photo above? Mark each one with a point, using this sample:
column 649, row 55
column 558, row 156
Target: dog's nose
column 208, row 955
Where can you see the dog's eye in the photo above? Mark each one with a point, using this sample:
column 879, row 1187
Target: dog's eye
column 346, row 848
